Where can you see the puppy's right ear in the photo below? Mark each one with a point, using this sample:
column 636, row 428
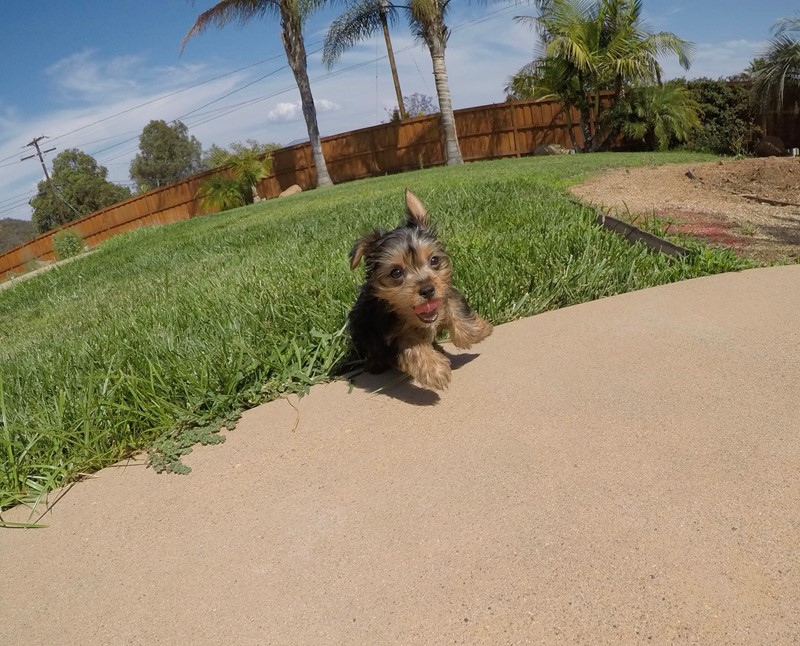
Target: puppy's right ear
column 416, row 211
column 362, row 247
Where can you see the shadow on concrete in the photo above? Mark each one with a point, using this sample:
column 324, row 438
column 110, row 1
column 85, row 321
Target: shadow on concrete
column 397, row 385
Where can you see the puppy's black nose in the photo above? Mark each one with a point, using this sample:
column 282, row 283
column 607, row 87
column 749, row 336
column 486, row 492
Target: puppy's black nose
column 427, row 291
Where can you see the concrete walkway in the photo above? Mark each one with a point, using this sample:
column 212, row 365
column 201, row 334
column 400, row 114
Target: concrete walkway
column 625, row 471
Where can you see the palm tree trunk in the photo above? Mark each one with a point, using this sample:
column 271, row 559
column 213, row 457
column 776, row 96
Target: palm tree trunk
column 567, row 107
column 452, row 151
column 586, row 128
column 585, row 111
column 296, row 55
column 390, row 51
column 597, row 139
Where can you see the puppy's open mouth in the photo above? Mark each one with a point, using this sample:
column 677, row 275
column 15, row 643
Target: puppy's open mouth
column 428, row 312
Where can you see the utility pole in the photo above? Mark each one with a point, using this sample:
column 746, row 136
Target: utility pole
column 35, row 144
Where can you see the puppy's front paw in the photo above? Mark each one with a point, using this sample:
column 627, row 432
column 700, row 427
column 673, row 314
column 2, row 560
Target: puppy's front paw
column 430, row 368
column 435, row 373
column 466, row 332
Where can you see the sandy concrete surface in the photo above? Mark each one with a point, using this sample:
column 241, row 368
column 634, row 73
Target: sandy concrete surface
column 625, row 471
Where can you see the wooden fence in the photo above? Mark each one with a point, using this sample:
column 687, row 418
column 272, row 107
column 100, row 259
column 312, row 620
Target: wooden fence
column 493, row 131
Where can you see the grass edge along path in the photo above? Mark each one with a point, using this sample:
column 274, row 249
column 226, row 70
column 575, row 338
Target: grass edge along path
column 166, row 334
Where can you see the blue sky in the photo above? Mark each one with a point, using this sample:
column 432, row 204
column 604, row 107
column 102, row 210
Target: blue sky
column 91, row 75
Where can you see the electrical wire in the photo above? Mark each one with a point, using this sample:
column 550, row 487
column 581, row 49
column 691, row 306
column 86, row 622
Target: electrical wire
column 223, row 111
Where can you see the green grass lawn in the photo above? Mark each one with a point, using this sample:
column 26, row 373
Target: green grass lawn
column 163, row 333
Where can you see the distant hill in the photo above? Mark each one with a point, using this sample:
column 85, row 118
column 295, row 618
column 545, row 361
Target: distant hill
column 14, row 232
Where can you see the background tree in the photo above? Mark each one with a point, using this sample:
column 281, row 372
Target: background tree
column 216, row 156
column 657, row 116
column 236, row 184
column 361, row 19
column 292, row 15
column 417, row 105
column 82, row 189
column 603, row 44
column 167, row 154
column 777, row 77
column 728, row 124
column 426, row 19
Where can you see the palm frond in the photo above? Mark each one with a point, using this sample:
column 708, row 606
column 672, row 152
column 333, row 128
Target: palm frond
column 784, row 25
column 228, row 11
column 780, row 70
column 360, row 21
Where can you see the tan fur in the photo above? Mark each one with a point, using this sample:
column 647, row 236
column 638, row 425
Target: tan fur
column 408, row 268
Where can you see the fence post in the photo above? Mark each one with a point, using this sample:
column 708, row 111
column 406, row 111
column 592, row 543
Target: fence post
column 517, row 152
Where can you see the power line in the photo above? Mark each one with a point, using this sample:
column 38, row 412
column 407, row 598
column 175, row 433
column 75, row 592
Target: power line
column 484, row 18
column 164, row 96
column 226, row 110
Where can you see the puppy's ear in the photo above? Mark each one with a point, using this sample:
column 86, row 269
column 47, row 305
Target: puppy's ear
column 416, row 211
column 363, row 246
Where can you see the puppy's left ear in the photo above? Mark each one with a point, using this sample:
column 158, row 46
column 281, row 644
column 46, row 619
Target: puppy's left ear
column 363, row 246
column 416, row 211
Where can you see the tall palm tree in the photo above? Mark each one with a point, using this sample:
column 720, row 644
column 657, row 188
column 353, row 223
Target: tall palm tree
column 426, row 18
column 778, row 71
column 359, row 21
column 292, row 14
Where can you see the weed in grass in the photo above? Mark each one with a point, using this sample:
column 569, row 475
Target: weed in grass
column 163, row 333
column 67, row 244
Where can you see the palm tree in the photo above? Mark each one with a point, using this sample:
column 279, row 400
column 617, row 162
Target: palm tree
column 236, row 184
column 570, row 31
column 426, row 18
column 657, row 114
column 292, row 14
column 358, row 22
column 778, row 71
column 608, row 45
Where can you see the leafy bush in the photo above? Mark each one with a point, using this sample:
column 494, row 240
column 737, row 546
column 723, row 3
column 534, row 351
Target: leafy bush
column 728, row 123
column 236, row 185
column 657, row 117
column 67, row 244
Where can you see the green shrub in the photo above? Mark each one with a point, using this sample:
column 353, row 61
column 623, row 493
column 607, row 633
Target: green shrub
column 67, row 244
column 728, row 124
column 656, row 117
column 236, row 185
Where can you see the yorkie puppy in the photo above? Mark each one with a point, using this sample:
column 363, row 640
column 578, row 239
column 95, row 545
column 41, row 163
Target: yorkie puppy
column 407, row 299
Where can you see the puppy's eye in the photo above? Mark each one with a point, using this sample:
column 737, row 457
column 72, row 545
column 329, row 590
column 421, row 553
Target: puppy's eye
column 435, row 260
column 396, row 273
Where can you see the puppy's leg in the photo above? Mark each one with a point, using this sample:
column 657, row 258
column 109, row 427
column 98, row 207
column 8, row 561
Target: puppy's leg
column 421, row 361
column 465, row 326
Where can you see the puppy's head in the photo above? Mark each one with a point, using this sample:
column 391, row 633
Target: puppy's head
column 407, row 267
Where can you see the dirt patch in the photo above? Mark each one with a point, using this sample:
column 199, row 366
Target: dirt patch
column 751, row 205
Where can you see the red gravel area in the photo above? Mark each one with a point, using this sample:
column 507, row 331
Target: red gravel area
column 713, row 201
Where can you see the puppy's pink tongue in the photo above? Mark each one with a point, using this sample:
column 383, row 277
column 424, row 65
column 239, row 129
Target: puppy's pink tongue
column 425, row 308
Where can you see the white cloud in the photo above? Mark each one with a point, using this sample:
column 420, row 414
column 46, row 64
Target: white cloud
column 84, row 76
column 285, row 112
